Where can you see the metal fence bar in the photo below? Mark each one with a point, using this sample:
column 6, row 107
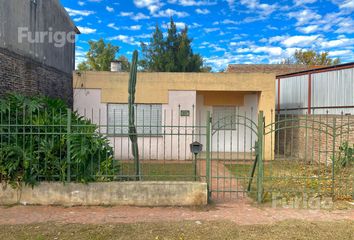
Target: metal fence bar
column 208, row 162
column 260, row 148
column 68, row 146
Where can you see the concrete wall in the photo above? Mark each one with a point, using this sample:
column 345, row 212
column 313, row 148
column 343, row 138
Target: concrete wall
column 113, row 193
column 37, row 17
column 35, row 66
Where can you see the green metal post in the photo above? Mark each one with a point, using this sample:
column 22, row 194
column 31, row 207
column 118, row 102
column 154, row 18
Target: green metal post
column 253, row 168
column 260, row 174
column 208, row 132
column 195, row 166
column 68, row 152
column 333, row 153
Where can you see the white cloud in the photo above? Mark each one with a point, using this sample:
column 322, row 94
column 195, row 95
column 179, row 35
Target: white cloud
column 81, row 3
column 126, row 14
column 274, row 51
column 202, row 11
column 134, row 27
column 261, row 8
column 144, row 36
column 342, row 42
column 196, row 3
column 243, row 50
column 208, row 30
column 126, row 39
column 109, row 9
column 73, row 12
column 151, row 5
column 303, row 2
column 231, row 4
column 195, row 25
column 277, row 39
column 228, row 21
column 339, row 53
column 135, row 17
column 346, row 26
column 348, row 4
column 299, row 41
column 216, row 48
column 86, row 30
column 305, row 16
column 80, row 56
column 78, row 19
column 170, row 13
column 112, row 25
column 308, row 29
column 139, row 16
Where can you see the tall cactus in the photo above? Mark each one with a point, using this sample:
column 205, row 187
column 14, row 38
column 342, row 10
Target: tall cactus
column 131, row 100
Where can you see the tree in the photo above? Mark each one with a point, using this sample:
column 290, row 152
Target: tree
column 125, row 63
column 172, row 53
column 99, row 57
column 83, row 67
column 311, row 58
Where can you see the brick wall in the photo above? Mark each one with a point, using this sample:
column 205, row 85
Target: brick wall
column 24, row 75
column 314, row 142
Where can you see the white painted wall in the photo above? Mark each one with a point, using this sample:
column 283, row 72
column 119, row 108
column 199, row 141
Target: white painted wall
column 178, row 132
column 240, row 140
column 169, row 146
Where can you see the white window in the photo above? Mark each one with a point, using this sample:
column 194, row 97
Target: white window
column 148, row 119
column 224, row 118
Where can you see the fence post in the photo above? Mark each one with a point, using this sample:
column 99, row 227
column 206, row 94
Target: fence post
column 333, row 153
column 208, row 136
column 68, row 136
column 260, row 174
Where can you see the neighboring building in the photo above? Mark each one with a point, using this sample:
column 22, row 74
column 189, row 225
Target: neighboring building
column 268, row 68
column 317, row 91
column 34, row 58
column 171, row 103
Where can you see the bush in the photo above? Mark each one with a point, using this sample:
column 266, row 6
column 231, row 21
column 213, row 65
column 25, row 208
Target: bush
column 345, row 156
column 34, row 144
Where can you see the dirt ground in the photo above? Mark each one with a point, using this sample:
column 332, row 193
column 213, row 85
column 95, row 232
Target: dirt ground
column 241, row 212
column 186, row 230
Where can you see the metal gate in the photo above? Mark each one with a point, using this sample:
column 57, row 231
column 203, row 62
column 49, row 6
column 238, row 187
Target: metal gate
column 295, row 158
column 232, row 153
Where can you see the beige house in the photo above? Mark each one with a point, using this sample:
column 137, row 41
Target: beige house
column 177, row 103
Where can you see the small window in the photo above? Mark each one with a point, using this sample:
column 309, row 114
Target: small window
column 224, row 118
column 148, row 119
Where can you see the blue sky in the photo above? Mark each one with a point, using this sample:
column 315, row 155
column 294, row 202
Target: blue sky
column 223, row 31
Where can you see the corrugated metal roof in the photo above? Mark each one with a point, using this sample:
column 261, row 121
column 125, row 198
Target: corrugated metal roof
column 268, row 68
column 319, row 69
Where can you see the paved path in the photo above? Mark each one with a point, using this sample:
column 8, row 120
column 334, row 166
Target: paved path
column 225, row 187
column 242, row 212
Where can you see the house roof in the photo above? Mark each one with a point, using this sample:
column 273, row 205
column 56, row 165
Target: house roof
column 268, row 68
column 317, row 70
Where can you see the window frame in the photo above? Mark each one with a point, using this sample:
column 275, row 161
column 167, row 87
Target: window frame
column 120, row 133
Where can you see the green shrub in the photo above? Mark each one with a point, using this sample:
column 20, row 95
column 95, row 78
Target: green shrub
column 345, row 156
column 34, row 144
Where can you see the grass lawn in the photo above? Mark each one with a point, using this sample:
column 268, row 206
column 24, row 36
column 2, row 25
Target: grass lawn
column 293, row 178
column 162, row 171
column 180, row 231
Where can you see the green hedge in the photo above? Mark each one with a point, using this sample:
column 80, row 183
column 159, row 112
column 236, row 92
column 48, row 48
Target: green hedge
column 35, row 144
